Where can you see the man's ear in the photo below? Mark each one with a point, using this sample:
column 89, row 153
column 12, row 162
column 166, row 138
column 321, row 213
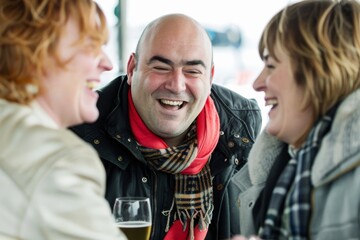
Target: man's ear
column 130, row 68
column 212, row 73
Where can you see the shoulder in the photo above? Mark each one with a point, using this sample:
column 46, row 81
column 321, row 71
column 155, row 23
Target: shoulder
column 42, row 146
column 237, row 113
column 340, row 146
column 112, row 87
column 32, row 152
column 226, row 97
column 13, row 115
column 111, row 94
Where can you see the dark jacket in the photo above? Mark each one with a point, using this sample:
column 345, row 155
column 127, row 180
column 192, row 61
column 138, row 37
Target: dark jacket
column 129, row 175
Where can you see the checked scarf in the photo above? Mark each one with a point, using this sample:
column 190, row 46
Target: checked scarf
column 289, row 209
column 189, row 163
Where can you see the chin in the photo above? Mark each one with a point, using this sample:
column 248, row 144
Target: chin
column 270, row 129
column 90, row 116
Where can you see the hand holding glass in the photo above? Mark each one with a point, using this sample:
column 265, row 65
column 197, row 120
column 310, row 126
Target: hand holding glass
column 133, row 217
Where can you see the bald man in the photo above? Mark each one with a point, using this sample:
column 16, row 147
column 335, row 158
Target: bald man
column 167, row 133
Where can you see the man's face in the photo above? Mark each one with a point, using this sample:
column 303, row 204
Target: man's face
column 172, row 79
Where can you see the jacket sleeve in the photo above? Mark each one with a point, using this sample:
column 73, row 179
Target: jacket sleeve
column 69, row 202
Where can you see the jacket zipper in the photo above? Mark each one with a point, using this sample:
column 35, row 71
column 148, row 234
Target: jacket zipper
column 154, row 205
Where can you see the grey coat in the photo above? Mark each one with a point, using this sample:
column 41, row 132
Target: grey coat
column 335, row 177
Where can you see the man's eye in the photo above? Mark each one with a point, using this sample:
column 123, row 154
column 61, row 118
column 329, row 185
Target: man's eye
column 160, row 68
column 193, row 72
column 270, row 66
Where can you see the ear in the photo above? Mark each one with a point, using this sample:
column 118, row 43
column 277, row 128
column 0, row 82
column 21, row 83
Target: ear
column 131, row 67
column 212, row 73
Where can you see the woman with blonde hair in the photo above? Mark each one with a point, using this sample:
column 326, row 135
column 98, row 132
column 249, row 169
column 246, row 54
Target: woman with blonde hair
column 302, row 180
column 52, row 183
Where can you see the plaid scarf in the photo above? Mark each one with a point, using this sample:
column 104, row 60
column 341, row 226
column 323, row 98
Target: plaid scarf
column 189, row 162
column 289, row 210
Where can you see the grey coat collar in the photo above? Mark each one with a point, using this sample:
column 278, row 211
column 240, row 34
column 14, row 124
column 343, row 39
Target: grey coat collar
column 264, row 152
column 340, row 148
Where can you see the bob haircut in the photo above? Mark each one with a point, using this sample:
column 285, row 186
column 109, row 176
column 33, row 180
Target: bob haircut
column 29, row 34
column 322, row 39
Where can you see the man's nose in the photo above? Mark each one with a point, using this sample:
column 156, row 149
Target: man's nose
column 176, row 81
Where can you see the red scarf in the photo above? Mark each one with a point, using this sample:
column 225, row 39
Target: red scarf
column 208, row 128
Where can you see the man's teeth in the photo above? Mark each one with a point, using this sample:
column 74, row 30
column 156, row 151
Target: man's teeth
column 91, row 85
column 170, row 102
column 271, row 102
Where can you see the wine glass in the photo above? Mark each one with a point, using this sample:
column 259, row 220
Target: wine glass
column 133, row 217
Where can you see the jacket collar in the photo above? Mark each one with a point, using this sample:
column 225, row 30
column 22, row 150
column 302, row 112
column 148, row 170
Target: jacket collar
column 263, row 154
column 117, row 122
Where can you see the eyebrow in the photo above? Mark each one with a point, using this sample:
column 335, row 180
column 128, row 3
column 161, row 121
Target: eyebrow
column 169, row 62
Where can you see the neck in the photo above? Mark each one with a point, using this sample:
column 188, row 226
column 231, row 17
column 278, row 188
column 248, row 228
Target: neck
column 44, row 103
column 175, row 141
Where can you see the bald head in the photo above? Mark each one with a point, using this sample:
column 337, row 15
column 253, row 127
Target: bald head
column 174, row 30
column 171, row 75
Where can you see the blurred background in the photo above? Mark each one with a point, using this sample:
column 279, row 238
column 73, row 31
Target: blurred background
column 234, row 27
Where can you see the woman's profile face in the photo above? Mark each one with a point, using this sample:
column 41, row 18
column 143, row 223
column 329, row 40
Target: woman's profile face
column 287, row 120
column 68, row 92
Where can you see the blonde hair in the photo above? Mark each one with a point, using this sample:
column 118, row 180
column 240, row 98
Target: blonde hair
column 322, row 39
column 29, row 34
